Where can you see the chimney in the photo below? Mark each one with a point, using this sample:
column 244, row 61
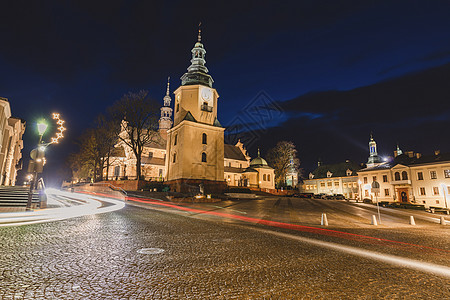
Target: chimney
column 437, row 152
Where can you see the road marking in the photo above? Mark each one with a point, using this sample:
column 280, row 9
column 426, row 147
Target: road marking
column 238, row 211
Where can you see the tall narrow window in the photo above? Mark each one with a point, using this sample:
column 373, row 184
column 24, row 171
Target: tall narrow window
column 175, row 139
column 404, row 175
column 397, row 176
column 178, row 107
column 268, row 177
column 435, row 190
column 174, row 157
column 204, row 139
column 385, row 178
column 422, row 191
column 264, row 177
column 419, row 175
column 447, row 173
column 203, row 157
column 433, row 175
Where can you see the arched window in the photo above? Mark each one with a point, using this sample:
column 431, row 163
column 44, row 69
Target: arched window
column 404, row 175
column 175, row 139
column 204, row 139
column 268, row 177
column 264, row 177
column 397, row 176
column 203, row 157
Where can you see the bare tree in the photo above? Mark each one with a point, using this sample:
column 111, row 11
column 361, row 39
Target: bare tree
column 95, row 148
column 138, row 116
column 106, row 136
column 283, row 158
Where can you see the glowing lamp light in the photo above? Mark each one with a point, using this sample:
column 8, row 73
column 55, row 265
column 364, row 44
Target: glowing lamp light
column 41, row 127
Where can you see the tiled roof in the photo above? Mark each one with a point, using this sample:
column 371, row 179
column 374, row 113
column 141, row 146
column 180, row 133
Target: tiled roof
column 153, row 161
column 411, row 161
column 233, row 152
column 337, row 170
column 233, row 170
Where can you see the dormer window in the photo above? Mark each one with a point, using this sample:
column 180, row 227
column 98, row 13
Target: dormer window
column 329, row 174
column 311, row 175
column 349, row 172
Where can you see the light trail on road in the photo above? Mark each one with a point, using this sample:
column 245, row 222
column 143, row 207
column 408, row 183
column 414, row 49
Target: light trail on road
column 373, row 255
column 89, row 205
column 296, row 227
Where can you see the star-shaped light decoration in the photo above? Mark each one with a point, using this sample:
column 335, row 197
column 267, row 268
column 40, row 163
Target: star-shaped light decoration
column 61, row 129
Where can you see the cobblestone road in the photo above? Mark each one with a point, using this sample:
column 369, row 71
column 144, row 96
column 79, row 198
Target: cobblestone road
column 96, row 257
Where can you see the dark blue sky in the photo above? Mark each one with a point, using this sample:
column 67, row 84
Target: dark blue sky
column 78, row 57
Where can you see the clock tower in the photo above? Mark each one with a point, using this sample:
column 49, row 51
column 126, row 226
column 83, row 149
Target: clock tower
column 195, row 143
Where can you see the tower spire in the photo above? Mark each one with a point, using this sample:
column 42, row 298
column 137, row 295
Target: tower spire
column 374, row 159
column 165, row 122
column 197, row 72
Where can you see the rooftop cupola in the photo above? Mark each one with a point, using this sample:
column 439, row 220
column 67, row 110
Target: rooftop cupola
column 197, row 73
column 374, row 159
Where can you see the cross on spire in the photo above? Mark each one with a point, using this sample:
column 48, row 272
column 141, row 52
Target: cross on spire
column 168, row 85
column 199, row 32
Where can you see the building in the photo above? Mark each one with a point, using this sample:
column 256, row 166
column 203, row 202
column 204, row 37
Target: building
column 11, row 144
column 410, row 178
column 190, row 150
column 330, row 179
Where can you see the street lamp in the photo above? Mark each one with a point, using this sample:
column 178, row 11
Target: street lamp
column 36, row 155
column 41, row 127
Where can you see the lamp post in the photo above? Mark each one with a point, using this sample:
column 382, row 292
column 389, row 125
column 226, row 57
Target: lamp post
column 360, row 190
column 37, row 155
column 445, row 194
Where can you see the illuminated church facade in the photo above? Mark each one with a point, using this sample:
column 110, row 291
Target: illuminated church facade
column 191, row 149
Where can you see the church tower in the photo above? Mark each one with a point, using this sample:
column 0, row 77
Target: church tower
column 165, row 122
column 374, row 159
column 195, row 143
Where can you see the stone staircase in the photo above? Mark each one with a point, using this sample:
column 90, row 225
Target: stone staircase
column 17, row 196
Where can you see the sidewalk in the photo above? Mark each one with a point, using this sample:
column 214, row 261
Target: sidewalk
column 11, row 209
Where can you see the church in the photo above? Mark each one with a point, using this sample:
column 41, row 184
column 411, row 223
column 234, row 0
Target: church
column 191, row 149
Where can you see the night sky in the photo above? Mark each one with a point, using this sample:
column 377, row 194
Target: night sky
column 334, row 70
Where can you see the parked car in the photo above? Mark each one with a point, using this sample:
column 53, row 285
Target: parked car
column 339, row 197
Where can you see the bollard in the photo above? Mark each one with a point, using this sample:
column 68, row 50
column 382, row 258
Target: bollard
column 324, row 220
column 411, row 221
column 442, row 221
column 374, row 220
